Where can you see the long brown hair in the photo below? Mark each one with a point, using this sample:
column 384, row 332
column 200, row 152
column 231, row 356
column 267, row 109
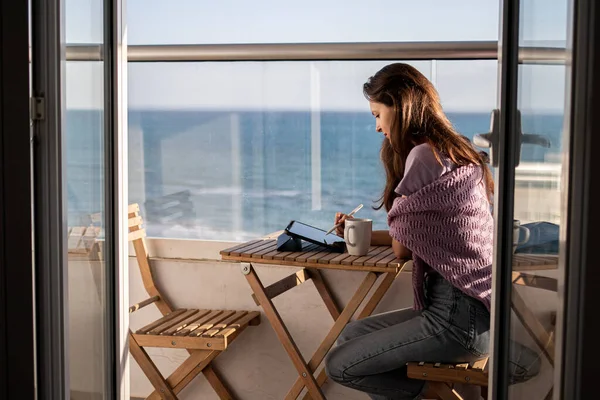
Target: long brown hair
column 418, row 118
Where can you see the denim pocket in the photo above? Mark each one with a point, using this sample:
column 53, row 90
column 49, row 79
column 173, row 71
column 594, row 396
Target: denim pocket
column 471, row 329
column 478, row 330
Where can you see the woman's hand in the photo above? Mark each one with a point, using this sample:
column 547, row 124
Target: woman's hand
column 340, row 218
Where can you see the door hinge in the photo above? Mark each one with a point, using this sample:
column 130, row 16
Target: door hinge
column 37, row 108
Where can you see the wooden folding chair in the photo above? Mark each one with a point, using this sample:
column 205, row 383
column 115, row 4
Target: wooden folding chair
column 204, row 333
column 441, row 378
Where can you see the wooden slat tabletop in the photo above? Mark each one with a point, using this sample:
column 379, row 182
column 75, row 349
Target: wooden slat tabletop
column 534, row 262
column 263, row 251
column 378, row 259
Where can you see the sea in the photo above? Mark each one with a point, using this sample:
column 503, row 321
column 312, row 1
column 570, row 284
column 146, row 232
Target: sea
column 246, row 173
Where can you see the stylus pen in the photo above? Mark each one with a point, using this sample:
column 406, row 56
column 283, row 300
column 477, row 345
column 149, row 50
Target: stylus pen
column 349, row 215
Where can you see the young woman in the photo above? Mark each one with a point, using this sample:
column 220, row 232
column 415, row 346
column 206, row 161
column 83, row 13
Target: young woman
column 437, row 195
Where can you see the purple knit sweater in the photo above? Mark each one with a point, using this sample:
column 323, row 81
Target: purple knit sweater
column 448, row 226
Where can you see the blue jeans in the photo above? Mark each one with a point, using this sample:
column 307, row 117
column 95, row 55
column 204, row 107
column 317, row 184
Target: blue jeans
column 372, row 353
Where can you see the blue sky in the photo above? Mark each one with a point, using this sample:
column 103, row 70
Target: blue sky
column 463, row 85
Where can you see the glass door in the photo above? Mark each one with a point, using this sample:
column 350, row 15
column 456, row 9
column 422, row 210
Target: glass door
column 84, row 136
column 76, row 58
column 529, row 147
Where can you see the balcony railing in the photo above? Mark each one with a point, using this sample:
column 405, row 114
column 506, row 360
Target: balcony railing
column 473, row 50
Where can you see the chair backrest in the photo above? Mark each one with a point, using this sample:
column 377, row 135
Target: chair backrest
column 136, row 235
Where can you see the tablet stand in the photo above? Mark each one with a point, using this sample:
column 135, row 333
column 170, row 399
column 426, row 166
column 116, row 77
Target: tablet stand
column 287, row 243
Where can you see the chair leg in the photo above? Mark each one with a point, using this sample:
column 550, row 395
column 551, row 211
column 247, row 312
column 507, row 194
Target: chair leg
column 484, row 392
column 429, row 393
column 150, row 370
column 199, row 361
column 216, row 383
column 187, row 371
column 444, row 391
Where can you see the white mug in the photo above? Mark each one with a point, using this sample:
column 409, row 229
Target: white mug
column 357, row 235
column 517, row 228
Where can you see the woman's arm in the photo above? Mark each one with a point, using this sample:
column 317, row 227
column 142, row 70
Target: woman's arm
column 383, row 238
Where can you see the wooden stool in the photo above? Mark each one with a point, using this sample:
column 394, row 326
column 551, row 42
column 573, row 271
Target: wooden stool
column 441, row 378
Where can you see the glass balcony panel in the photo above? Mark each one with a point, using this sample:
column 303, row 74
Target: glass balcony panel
column 249, row 146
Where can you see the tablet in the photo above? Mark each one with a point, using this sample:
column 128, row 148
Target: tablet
column 316, row 236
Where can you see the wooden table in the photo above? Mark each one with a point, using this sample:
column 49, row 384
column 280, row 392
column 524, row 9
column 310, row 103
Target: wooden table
column 380, row 260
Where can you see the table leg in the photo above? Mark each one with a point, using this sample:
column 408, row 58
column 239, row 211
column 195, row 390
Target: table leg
column 283, row 334
column 323, row 290
column 384, row 286
column 367, row 310
column 335, row 330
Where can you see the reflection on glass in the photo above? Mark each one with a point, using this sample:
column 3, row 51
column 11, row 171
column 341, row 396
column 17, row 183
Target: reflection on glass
column 240, row 149
column 84, row 154
column 83, row 138
column 537, row 203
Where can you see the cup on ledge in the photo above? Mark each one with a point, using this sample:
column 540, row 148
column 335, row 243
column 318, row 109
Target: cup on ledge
column 357, row 235
column 517, row 238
